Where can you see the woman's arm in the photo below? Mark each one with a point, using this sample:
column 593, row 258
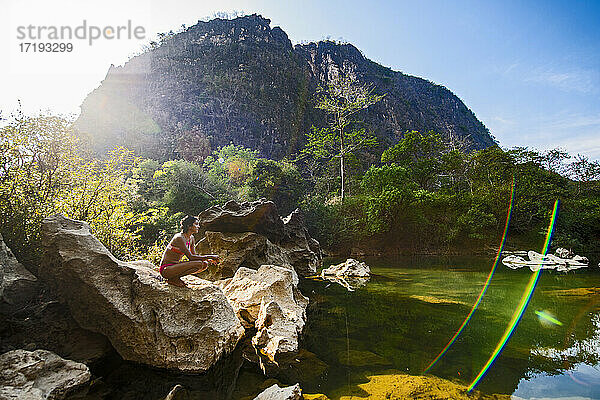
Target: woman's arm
column 193, row 245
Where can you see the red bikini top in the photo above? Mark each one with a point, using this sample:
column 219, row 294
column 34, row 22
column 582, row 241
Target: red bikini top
column 176, row 250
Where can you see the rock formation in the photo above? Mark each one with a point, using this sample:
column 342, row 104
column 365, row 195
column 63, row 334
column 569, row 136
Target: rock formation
column 349, row 268
column 351, row 274
column 146, row 320
column 269, row 300
column 251, row 234
column 40, row 375
column 241, row 81
column 17, row 285
column 538, row 261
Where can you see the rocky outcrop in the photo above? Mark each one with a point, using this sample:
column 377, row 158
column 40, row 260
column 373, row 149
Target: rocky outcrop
column 269, row 300
column 538, row 261
column 237, row 250
column 251, row 234
column 40, row 375
column 146, row 320
column 196, row 91
column 351, row 274
column 278, row 393
column 18, row 286
column 257, row 216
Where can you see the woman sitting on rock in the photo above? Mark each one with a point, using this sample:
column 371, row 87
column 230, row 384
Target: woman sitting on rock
column 183, row 244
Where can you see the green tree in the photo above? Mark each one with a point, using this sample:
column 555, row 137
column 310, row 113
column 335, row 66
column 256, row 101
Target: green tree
column 341, row 100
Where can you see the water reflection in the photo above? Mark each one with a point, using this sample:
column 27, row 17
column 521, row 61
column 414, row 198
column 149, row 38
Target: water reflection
column 411, row 307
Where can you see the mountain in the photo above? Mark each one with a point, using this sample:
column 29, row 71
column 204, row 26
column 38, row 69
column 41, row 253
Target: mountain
column 240, row 81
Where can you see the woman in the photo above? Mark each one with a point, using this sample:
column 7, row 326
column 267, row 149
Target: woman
column 183, row 244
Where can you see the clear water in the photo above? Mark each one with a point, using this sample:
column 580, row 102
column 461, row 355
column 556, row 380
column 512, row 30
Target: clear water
column 400, row 321
column 411, row 307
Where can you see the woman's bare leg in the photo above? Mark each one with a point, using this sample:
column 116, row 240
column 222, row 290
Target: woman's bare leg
column 173, row 273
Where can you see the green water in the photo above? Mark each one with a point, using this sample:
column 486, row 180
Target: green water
column 411, row 308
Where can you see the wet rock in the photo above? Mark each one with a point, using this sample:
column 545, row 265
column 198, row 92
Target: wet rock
column 277, row 393
column 40, row 375
column 145, row 319
column 252, row 234
column 18, row 286
column 396, row 385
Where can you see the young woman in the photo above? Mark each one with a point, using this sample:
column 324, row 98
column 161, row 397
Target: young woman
column 183, row 244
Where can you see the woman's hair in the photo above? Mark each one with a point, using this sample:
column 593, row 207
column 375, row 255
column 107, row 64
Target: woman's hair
column 187, row 222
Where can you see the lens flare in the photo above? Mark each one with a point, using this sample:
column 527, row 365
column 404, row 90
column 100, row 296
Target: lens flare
column 510, row 329
column 545, row 318
column 485, row 286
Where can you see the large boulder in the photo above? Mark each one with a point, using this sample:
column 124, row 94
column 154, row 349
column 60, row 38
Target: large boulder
column 257, row 216
column 40, row 375
column 18, row 286
column 247, row 249
column 251, row 234
column 145, row 319
column 268, row 299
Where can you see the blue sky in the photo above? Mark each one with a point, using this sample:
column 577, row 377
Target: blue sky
column 529, row 70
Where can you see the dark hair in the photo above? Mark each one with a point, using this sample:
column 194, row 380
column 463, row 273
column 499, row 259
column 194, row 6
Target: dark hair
column 187, row 222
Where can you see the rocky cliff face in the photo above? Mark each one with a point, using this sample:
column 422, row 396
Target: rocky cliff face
column 241, row 81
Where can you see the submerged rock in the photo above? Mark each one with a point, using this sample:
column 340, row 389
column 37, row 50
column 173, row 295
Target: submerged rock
column 145, row 319
column 396, row 385
column 269, row 300
column 277, row 393
column 18, row 286
column 40, row 375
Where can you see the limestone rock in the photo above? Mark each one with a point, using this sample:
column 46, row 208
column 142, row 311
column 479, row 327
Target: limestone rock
column 252, row 234
column 277, row 393
column 40, row 375
column 349, row 268
column 258, row 216
column 17, row 285
column 145, row 319
column 269, row 300
column 303, row 251
column 247, row 249
column 539, row 261
column 564, row 253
